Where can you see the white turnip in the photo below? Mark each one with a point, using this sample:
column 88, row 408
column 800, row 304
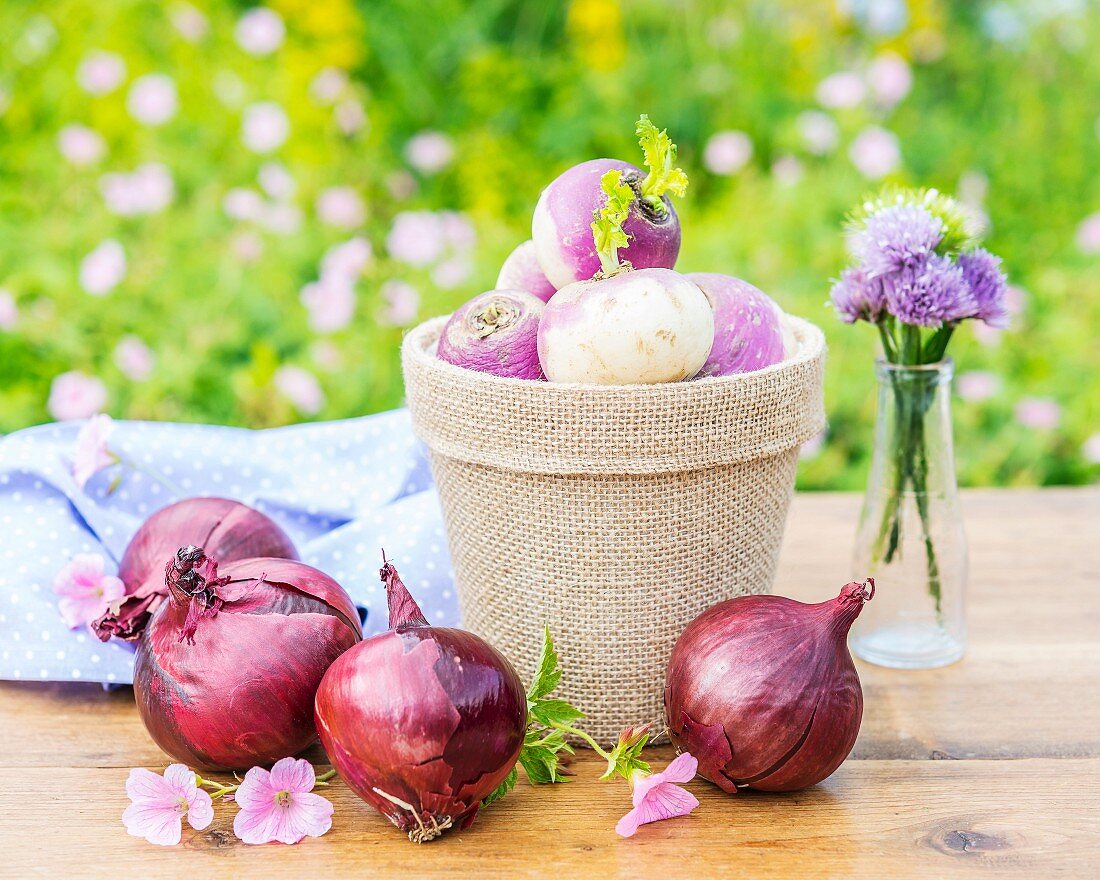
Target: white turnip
column 560, row 227
column 496, row 332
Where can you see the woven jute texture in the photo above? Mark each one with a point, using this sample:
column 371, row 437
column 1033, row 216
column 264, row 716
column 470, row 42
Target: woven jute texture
column 615, row 514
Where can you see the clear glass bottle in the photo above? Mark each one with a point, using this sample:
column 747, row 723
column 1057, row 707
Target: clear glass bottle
column 911, row 537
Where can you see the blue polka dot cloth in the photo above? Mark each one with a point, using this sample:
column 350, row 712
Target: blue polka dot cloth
column 341, row 490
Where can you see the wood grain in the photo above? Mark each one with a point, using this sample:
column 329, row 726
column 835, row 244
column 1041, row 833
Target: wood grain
column 989, row 768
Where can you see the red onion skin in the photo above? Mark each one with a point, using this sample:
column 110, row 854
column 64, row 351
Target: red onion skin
column 763, row 691
column 226, row 530
column 242, row 694
column 432, row 716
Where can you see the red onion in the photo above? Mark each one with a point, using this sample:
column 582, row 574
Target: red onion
column 227, row 530
column 227, row 669
column 495, row 332
column 762, row 690
column 422, row 722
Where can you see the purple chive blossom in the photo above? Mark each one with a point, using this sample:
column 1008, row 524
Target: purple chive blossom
column 857, row 297
column 988, row 285
column 934, row 294
column 899, row 238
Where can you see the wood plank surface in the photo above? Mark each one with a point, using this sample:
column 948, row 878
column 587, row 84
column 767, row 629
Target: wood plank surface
column 988, row 768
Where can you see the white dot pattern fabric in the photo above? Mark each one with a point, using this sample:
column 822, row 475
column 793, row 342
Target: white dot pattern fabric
column 341, row 490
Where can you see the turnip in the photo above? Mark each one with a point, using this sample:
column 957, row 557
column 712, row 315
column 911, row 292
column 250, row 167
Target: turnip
column 749, row 327
column 625, row 326
column 561, row 224
column 495, row 332
column 521, row 271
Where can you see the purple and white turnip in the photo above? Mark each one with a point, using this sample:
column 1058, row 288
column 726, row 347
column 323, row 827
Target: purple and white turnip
column 521, row 271
column 496, row 332
column 560, row 227
column 749, row 327
column 625, row 326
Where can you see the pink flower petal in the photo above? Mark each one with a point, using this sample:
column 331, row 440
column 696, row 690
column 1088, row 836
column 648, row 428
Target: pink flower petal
column 181, row 779
column 200, row 810
column 251, row 825
column 147, row 786
column 310, row 813
column 292, row 774
column 629, row 823
column 665, row 802
column 256, row 791
column 681, row 769
column 161, row 826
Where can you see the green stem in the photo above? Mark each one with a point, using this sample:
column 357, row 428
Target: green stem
column 595, row 746
column 889, row 347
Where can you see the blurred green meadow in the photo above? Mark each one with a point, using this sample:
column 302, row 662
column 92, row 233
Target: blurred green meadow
column 219, row 212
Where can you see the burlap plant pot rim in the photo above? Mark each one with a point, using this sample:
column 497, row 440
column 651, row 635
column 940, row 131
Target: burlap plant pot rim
column 575, row 428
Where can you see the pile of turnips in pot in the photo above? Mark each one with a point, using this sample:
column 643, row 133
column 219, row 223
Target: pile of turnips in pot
column 594, row 296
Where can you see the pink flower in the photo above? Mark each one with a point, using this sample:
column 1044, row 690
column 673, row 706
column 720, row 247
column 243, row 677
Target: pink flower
column 347, row 260
column 875, row 152
column 1040, row 413
column 819, row 131
column 330, row 302
column 458, row 231
column 188, row 21
column 401, row 185
column 90, row 453
column 282, row 218
column 301, row 388
column 657, row 797
column 811, row 449
column 350, row 116
column 452, row 272
column 727, row 152
column 241, row 203
column 9, row 311
column 80, row 145
column 276, row 180
column 152, row 99
column 978, row 385
column 74, row 395
column 890, row 78
column 402, row 303
column 416, row 238
column 328, row 85
column 1090, row 449
column 159, row 804
column 1088, row 234
column 260, row 31
column 148, row 189
column 103, row 269
column 841, row 90
column 100, row 73
column 134, row 359
column 787, row 170
column 340, row 206
column 85, row 590
column 246, row 246
column 430, row 152
column 264, row 127
column 279, row 805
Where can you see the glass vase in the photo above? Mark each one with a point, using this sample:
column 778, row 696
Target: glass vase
column 911, row 537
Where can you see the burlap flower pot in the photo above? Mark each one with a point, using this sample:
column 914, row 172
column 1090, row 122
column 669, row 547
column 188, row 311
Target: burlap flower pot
column 615, row 514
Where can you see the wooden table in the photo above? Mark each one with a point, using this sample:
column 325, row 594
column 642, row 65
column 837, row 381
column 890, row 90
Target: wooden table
column 988, row 768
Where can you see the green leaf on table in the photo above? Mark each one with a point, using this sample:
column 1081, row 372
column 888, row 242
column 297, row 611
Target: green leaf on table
column 501, row 790
column 540, row 756
column 548, row 675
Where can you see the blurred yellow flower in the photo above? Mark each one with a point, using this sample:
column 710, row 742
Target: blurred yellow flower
column 329, row 33
column 596, row 28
